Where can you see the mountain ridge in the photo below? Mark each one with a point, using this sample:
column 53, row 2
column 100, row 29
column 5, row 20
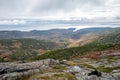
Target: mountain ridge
column 55, row 34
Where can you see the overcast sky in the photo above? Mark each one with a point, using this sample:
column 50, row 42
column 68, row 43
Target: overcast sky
column 59, row 10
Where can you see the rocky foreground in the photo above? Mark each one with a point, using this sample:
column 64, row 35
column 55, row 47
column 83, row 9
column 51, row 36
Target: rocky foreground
column 19, row 71
column 50, row 69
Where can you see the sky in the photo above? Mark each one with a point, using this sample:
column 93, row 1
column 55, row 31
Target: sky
column 43, row 14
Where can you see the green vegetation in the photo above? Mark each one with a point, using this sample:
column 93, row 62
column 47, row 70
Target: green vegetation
column 104, row 42
column 104, row 69
column 29, row 44
column 67, row 76
column 23, row 55
column 60, row 67
column 24, row 49
column 1, row 59
column 107, row 69
column 88, row 66
column 76, row 51
column 101, row 68
column 27, row 49
column 54, row 76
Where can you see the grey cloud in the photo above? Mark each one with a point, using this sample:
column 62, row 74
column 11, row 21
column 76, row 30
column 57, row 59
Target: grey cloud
column 19, row 7
column 66, row 5
column 12, row 8
column 28, row 8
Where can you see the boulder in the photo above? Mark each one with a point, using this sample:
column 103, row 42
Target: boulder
column 93, row 77
column 16, row 71
column 74, row 69
column 20, row 67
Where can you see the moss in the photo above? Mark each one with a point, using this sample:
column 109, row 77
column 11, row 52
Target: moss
column 104, row 69
column 101, row 68
column 107, row 69
column 60, row 67
column 68, row 76
column 54, row 76
column 117, row 67
column 88, row 66
column 1, row 59
column 71, row 63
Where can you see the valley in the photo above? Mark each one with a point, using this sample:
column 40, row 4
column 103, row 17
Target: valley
column 59, row 39
column 61, row 54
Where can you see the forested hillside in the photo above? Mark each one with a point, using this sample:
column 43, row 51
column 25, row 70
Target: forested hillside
column 24, row 49
column 109, row 40
column 91, row 39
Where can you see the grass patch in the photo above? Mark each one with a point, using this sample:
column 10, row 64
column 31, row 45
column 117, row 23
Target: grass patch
column 71, row 63
column 67, row 76
column 60, row 67
column 54, row 76
column 107, row 69
column 88, row 66
column 104, row 69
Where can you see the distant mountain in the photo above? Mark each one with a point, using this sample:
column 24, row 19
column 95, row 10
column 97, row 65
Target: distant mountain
column 70, row 36
column 80, row 32
column 38, row 34
column 18, row 45
column 59, row 34
column 55, row 34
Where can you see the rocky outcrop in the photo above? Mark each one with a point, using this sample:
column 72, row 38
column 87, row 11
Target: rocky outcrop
column 18, row 71
column 15, row 71
column 82, row 73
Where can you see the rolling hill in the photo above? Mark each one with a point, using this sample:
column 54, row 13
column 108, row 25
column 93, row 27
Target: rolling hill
column 54, row 34
column 64, row 43
column 92, row 52
column 70, row 36
column 108, row 40
column 24, row 49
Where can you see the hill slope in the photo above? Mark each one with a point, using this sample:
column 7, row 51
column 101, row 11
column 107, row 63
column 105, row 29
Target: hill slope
column 23, row 49
column 69, row 36
column 106, row 41
column 87, row 40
